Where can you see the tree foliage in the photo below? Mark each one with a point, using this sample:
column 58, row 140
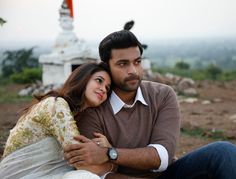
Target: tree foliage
column 28, row 75
column 16, row 61
column 182, row 65
column 213, row 71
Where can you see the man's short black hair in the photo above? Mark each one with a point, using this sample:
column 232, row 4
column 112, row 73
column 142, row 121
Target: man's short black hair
column 117, row 40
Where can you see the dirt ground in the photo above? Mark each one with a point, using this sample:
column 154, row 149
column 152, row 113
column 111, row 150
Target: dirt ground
column 202, row 121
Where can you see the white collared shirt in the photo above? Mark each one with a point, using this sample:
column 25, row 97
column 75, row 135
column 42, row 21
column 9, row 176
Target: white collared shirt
column 117, row 104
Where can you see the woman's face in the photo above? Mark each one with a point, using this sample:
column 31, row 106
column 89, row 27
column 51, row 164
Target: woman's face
column 97, row 89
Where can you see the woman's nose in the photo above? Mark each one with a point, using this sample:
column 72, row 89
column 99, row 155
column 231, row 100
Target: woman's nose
column 103, row 88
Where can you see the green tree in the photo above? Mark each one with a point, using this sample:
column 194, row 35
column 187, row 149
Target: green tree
column 182, row 65
column 16, row 61
column 213, row 71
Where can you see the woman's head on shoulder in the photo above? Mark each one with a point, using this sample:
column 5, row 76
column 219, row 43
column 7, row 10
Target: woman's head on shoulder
column 87, row 86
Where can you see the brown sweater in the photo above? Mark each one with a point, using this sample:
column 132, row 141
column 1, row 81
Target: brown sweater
column 157, row 123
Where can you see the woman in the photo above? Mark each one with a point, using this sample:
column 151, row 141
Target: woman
column 34, row 148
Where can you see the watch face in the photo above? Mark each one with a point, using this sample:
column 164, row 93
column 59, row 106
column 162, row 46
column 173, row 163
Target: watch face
column 113, row 154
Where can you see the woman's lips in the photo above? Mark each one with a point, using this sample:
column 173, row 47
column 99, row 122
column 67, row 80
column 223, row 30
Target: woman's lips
column 100, row 95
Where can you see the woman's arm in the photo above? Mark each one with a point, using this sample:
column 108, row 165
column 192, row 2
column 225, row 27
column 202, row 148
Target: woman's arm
column 64, row 129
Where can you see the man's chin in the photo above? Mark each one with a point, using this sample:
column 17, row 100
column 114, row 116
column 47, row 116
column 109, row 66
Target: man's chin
column 131, row 88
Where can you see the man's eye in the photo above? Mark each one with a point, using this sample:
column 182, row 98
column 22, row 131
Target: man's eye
column 122, row 64
column 138, row 62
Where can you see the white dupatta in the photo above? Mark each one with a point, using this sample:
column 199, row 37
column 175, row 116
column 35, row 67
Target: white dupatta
column 43, row 159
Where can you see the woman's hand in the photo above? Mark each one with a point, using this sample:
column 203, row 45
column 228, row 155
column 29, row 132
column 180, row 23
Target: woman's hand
column 101, row 140
column 87, row 155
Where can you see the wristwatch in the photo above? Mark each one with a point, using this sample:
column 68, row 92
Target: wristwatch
column 112, row 154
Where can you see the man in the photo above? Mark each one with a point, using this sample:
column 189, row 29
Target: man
column 141, row 121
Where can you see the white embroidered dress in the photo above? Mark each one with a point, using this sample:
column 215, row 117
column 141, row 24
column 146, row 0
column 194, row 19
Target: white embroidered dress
column 34, row 147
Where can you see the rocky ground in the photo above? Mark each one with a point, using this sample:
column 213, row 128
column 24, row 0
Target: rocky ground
column 212, row 117
column 209, row 117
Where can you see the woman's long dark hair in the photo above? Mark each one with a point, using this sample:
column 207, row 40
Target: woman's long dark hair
column 73, row 90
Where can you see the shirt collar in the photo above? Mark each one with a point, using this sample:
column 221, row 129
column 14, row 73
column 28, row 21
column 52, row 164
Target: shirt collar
column 117, row 103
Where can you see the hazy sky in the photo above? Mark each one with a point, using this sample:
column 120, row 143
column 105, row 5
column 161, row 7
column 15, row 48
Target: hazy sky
column 34, row 20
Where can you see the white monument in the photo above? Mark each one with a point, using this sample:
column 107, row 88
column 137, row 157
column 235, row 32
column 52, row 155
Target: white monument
column 68, row 52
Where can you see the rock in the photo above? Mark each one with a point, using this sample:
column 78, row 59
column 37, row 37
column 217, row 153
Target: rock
column 38, row 89
column 186, row 83
column 190, row 92
column 173, row 78
column 157, row 77
column 217, row 100
column 233, row 117
column 190, row 100
column 26, row 91
column 206, row 102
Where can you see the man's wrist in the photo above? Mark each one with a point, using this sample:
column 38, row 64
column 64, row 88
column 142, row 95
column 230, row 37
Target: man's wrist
column 112, row 154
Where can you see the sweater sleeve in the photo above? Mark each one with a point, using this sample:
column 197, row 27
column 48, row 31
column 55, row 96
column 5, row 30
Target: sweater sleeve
column 166, row 128
column 89, row 122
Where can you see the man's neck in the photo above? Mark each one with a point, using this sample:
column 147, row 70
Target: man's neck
column 126, row 97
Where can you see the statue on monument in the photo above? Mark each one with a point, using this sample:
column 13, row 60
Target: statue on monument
column 66, row 21
column 68, row 51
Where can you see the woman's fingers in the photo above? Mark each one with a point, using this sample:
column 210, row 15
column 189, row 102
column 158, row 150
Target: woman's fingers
column 96, row 134
column 81, row 138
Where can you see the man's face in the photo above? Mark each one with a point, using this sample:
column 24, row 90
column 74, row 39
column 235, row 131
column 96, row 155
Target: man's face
column 126, row 69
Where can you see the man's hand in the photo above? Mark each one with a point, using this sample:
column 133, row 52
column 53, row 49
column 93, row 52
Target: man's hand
column 85, row 153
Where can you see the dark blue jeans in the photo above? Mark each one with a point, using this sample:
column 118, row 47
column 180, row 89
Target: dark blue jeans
column 214, row 161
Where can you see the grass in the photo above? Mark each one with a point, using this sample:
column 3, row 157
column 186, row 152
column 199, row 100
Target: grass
column 205, row 133
column 9, row 94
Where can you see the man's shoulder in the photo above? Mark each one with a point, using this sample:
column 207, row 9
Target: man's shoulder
column 152, row 86
column 154, row 91
column 104, row 107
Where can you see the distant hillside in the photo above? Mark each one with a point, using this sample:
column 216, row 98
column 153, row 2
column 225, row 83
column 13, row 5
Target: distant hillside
column 197, row 52
column 163, row 53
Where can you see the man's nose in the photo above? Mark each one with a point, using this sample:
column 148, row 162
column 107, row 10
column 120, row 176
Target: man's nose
column 132, row 69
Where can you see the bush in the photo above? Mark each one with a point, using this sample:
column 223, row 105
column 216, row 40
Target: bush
column 3, row 81
column 228, row 75
column 199, row 75
column 213, row 72
column 16, row 61
column 182, row 65
column 28, row 75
